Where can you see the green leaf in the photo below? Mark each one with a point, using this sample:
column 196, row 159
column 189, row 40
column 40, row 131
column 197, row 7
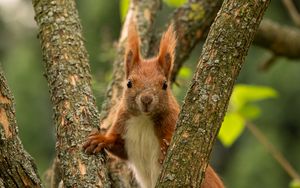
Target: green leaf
column 250, row 111
column 175, row 3
column 185, row 72
column 243, row 94
column 241, row 109
column 124, row 5
column 295, row 184
column 232, row 127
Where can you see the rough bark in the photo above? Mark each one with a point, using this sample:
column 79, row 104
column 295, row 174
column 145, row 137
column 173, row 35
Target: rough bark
column 17, row 168
column 192, row 21
column 206, row 102
column 281, row 40
column 68, row 76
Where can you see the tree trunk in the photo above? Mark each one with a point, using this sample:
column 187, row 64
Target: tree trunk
column 68, row 76
column 17, row 168
column 206, row 102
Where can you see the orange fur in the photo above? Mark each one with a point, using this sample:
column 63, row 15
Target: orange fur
column 146, row 96
column 132, row 54
column 167, row 50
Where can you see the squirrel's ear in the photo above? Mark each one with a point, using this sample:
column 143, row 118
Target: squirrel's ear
column 132, row 48
column 167, row 50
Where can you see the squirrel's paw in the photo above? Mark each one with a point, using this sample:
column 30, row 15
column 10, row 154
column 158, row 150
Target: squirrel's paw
column 95, row 143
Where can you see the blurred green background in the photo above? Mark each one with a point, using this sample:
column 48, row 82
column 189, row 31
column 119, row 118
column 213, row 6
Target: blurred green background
column 246, row 164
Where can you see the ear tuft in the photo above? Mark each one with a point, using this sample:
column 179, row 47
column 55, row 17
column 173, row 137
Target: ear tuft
column 167, row 50
column 132, row 48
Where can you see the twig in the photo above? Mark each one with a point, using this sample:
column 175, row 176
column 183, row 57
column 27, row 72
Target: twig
column 278, row 156
column 289, row 5
column 280, row 39
column 268, row 62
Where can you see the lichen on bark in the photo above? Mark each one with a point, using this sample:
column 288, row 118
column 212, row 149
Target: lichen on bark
column 17, row 168
column 192, row 21
column 69, row 80
column 206, row 101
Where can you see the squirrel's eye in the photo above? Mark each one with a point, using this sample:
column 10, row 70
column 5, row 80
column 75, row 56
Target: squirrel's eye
column 165, row 85
column 129, row 84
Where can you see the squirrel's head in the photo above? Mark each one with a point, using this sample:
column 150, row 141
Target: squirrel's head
column 147, row 88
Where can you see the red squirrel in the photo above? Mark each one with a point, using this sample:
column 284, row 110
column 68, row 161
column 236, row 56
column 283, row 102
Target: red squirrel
column 147, row 114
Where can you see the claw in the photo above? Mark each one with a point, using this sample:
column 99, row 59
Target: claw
column 86, row 144
column 94, row 144
column 166, row 142
column 94, row 132
column 89, row 149
column 99, row 147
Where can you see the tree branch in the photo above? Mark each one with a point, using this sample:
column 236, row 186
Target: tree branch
column 278, row 156
column 192, row 21
column 281, row 40
column 17, row 168
column 206, row 102
column 294, row 14
column 68, row 76
column 192, row 25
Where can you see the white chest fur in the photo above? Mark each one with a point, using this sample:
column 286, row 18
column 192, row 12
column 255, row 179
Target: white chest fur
column 143, row 150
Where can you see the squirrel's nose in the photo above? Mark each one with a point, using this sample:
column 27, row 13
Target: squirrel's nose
column 146, row 99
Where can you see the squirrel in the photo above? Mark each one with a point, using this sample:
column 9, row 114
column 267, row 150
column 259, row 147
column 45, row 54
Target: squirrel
column 147, row 114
